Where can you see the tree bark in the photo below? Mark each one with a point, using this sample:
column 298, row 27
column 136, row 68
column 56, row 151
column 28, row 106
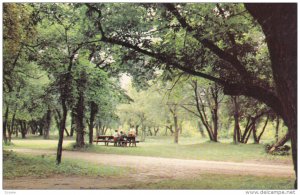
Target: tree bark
column 281, row 142
column 137, row 130
column 5, row 124
column 263, row 130
column 41, row 127
column 247, row 129
column 72, row 123
column 67, row 132
column 279, row 23
column 64, row 94
column 277, row 129
column 176, row 129
column 254, row 131
column 79, row 115
column 214, row 109
column 47, row 124
column 24, row 130
column 93, row 112
column 201, row 111
column 236, row 130
column 12, row 125
column 61, row 129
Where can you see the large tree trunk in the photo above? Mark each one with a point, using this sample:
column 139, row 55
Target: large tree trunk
column 23, row 129
column 176, row 129
column 279, row 23
column 47, row 124
column 263, row 130
column 72, row 123
column 137, row 130
column 215, row 122
column 79, row 115
column 93, row 112
column 236, row 130
column 65, row 89
column 247, row 128
column 277, row 129
column 5, row 124
column 61, row 129
column 12, row 125
column 214, row 110
column 41, row 127
column 254, row 131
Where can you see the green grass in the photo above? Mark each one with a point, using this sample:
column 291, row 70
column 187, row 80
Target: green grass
column 36, row 144
column 215, row 181
column 18, row 165
column 188, row 148
column 191, row 148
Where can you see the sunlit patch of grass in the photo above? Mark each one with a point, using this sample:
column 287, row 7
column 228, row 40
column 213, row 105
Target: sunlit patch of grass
column 216, row 181
column 36, row 144
column 18, row 165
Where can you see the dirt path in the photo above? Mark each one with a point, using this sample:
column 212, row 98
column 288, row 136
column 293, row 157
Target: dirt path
column 149, row 169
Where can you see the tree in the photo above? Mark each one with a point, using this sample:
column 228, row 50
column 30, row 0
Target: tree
column 249, row 112
column 58, row 51
column 280, row 31
column 207, row 98
column 281, row 34
column 18, row 26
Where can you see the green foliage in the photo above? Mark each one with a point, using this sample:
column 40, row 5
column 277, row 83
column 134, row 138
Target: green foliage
column 58, row 39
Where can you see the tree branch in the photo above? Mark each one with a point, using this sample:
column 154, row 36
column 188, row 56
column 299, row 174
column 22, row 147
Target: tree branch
column 190, row 111
column 210, row 45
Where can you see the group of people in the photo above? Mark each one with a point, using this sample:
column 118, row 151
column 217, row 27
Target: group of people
column 121, row 136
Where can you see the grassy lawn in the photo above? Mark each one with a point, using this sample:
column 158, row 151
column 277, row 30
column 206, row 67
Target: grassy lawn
column 191, row 148
column 214, row 181
column 37, row 142
column 18, row 165
column 188, row 148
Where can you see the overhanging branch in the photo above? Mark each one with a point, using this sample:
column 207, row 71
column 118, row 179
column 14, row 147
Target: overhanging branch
column 233, row 60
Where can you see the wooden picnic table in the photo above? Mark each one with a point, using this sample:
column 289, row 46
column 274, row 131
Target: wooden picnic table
column 110, row 139
column 104, row 138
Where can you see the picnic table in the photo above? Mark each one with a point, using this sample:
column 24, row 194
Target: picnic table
column 128, row 140
column 105, row 138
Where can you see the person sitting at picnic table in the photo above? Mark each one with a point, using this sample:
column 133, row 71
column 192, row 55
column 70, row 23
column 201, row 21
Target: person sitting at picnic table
column 116, row 137
column 131, row 133
column 122, row 137
column 131, row 136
